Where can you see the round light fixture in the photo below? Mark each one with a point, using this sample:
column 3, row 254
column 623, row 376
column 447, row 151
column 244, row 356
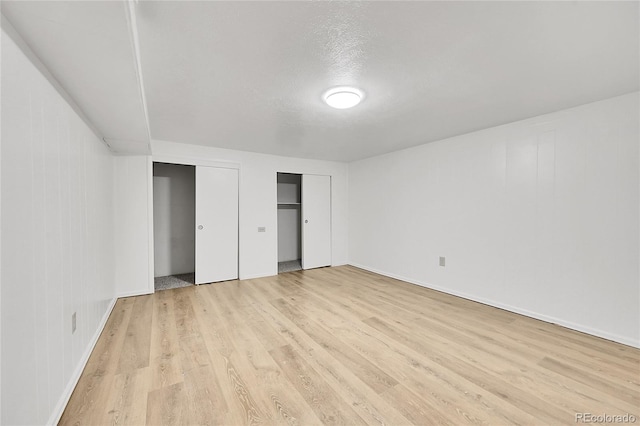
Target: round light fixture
column 343, row 97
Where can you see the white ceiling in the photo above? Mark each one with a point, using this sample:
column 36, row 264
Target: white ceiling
column 87, row 47
column 250, row 75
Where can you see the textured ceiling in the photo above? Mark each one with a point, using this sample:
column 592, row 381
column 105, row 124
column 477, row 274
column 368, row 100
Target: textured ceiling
column 250, row 75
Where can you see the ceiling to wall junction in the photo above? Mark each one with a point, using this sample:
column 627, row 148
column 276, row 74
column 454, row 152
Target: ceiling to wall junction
column 250, row 75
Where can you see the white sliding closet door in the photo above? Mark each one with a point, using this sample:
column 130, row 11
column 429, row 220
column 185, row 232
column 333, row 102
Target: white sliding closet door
column 216, row 224
column 316, row 221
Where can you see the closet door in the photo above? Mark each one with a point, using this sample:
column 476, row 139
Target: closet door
column 316, row 221
column 216, row 224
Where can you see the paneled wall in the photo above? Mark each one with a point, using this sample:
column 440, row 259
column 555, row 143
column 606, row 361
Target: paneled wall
column 57, row 250
column 538, row 217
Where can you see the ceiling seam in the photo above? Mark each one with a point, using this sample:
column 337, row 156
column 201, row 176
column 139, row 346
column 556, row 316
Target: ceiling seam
column 137, row 62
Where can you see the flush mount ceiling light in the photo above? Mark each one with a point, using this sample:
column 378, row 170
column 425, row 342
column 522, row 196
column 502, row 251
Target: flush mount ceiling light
column 343, row 97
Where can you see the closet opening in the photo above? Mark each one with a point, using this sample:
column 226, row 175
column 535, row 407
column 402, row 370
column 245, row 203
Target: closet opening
column 289, row 222
column 174, row 197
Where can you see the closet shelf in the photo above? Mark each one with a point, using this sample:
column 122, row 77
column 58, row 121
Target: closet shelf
column 288, row 204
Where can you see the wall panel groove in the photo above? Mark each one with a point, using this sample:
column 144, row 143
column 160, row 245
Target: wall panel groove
column 57, row 242
column 538, row 216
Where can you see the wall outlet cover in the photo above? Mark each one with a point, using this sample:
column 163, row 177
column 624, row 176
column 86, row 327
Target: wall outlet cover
column 442, row 261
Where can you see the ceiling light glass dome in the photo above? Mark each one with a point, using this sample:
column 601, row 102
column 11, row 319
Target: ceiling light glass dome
column 343, row 97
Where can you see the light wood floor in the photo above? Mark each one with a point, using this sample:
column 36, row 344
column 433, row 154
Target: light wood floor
column 342, row 346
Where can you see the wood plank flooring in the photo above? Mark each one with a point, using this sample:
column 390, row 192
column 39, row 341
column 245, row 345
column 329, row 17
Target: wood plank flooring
column 342, row 346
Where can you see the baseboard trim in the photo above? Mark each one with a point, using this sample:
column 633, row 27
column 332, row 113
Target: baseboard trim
column 546, row 318
column 134, row 293
column 73, row 381
column 254, row 276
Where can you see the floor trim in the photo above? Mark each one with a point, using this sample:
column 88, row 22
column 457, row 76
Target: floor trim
column 559, row 321
column 73, row 381
column 134, row 293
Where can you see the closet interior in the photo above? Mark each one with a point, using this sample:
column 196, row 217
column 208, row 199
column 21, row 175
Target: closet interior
column 289, row 222
column 174, row 191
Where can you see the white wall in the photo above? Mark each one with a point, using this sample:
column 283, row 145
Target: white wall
column 289, row 217
column 289, row 233
column 174, row 219
column 134, row 230
column 538, row 217
column 57, row 250
column 259, row 251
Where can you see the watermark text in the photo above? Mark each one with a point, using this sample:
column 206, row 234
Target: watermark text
column 605, row 418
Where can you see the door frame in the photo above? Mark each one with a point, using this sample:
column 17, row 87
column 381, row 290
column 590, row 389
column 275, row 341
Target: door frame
column 186, row 161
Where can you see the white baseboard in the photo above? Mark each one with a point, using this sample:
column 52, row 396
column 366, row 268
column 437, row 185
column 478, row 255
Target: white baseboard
column 275, row 272
column 559, row 321
column 134, row 293
column 254, row 276
column 73, row 381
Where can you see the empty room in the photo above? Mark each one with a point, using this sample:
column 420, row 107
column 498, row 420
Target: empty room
column 319, row 212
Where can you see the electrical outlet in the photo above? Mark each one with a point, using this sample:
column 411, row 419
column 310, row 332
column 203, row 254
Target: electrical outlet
column 442, row 261
column 262, row 229
column 73, row 323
